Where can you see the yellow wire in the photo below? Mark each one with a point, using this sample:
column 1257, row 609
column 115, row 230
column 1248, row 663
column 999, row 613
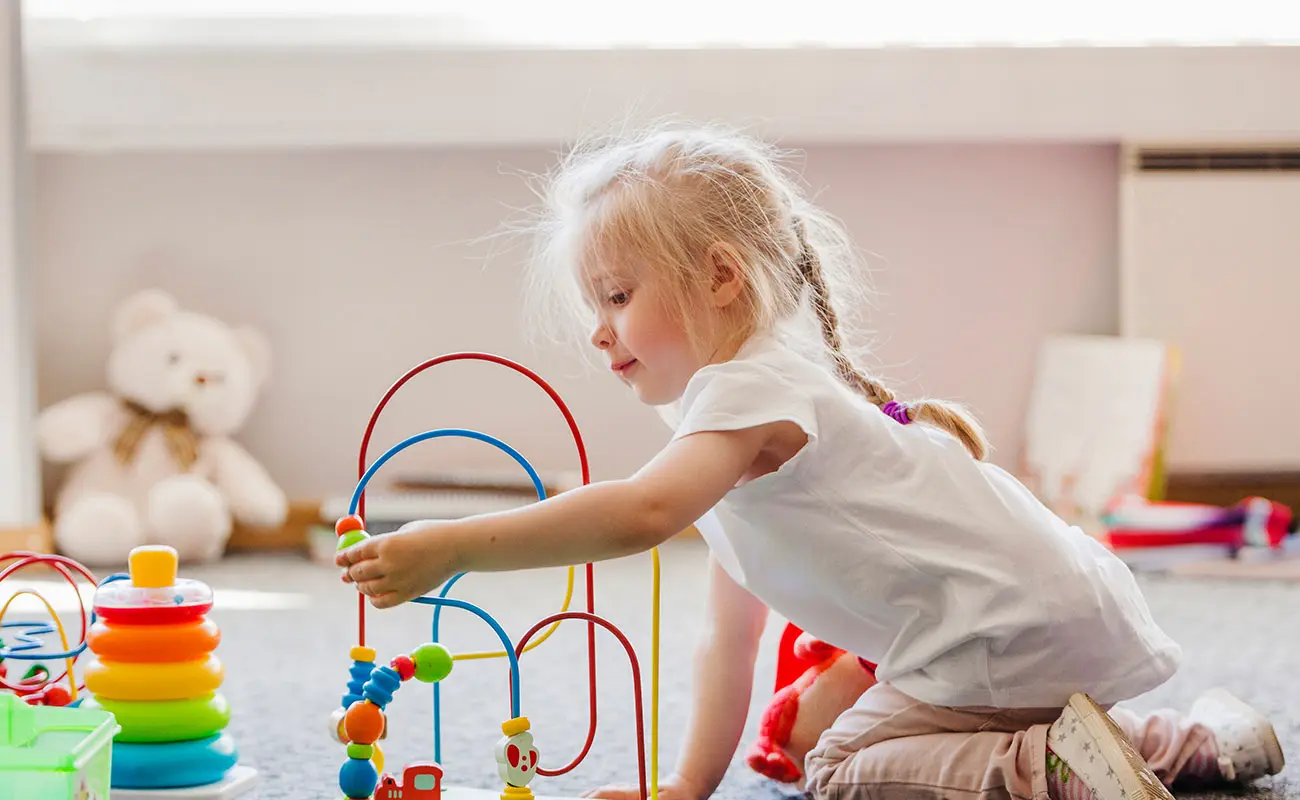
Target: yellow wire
column 63, row 635
column 654, row 661
column 654, row 676
column 568, row 596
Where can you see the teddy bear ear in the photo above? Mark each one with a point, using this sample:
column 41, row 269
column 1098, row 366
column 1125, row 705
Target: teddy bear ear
column 141, row 310
column 258, row 350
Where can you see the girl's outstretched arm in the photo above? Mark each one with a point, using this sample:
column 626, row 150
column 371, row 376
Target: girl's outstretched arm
column 592, row 523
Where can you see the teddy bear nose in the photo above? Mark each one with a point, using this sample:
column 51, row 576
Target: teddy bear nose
column 200, row 379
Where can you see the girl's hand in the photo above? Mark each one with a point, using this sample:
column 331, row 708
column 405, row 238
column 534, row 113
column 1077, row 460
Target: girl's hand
column 673, row 788
column 394, row 568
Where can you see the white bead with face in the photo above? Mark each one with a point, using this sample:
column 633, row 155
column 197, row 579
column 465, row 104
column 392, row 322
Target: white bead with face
column 516, row 759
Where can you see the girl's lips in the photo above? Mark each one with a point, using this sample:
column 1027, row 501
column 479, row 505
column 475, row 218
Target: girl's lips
column 622, row 365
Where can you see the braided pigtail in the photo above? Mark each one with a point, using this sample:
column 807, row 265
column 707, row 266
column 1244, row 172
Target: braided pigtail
column 941, row 415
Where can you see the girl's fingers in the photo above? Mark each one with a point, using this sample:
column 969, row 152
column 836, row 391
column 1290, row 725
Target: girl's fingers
column 385, row 600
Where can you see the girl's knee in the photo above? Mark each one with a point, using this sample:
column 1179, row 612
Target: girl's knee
column 821, row 767
column 817, row 779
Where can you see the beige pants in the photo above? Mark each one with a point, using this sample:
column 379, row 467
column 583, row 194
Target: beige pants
column 890, row 745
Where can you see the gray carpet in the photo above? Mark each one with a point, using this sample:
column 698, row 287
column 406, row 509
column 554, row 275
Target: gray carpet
column 287, row 668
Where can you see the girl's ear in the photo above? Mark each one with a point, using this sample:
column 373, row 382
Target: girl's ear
column 728, row 277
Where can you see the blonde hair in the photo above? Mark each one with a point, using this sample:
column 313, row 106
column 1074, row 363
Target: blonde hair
column 662, row 199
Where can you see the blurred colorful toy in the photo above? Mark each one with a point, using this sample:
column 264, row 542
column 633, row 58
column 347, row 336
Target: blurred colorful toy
column 1136, row 522
column 22, row 643
column 155, row 669
column 360, row 721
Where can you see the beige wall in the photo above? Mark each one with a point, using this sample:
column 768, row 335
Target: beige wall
column 358, row 265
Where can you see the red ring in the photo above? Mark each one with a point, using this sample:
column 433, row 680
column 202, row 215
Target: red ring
column 153, row 615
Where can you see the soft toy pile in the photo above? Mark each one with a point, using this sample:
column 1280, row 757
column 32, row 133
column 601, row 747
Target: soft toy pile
column 152, row 459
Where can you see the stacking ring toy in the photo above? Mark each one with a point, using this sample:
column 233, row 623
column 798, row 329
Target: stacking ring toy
column 180, row 680
column 166, row 720
column 186, row 641
column 173, row 765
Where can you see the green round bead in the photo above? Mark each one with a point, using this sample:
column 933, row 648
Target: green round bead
column 350, row 538
column 360, row 751
column 432, row 662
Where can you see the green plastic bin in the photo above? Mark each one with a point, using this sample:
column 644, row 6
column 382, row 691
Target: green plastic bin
column 52, row 753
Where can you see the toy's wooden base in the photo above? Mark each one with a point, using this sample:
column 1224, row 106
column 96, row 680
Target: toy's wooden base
column 466, row 793
column 238, row 780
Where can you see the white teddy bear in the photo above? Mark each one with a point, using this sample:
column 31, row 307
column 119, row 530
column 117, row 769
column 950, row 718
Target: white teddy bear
column 154, row 461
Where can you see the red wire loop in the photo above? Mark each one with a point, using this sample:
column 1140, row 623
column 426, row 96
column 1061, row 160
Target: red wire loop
column 586, row 478
column 592, row 619
column 60, row 564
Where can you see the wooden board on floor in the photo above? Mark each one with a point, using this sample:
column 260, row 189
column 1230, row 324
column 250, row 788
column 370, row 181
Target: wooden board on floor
column 294, row 534
column 33, row 538
column 1226, row 488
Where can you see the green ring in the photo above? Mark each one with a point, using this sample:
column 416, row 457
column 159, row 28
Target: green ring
column 166, row 720
column 361, row 752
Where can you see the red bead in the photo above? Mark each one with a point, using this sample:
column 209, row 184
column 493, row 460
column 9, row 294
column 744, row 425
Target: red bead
column 404, row 667
column 57, row 696
column 349, row 523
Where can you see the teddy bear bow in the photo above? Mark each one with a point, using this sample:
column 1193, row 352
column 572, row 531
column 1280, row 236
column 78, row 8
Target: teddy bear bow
column 180, row 437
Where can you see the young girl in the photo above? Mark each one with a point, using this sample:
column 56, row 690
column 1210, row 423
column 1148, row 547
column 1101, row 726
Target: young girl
column 1001, row 634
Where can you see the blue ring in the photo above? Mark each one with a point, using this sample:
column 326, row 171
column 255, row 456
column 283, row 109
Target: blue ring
column 173, row 765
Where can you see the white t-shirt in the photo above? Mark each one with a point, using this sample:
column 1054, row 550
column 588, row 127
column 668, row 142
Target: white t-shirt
column 891, row 542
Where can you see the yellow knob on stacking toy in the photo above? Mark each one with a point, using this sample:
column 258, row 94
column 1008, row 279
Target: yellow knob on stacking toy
column 153, row 566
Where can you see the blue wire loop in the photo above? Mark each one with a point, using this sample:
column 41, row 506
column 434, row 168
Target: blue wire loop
column 28, row 641
column 442, row 600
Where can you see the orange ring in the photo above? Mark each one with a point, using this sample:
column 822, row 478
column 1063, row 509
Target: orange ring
column 186, row 641
column 181, row 680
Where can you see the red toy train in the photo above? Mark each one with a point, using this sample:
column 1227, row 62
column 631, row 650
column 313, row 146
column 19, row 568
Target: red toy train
column 421, row 780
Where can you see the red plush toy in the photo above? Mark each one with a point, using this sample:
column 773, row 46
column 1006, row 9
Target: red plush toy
column 815, row 683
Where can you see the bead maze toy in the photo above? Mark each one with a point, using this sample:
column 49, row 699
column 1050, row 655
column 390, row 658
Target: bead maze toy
column 153, row 672
column 360, row 722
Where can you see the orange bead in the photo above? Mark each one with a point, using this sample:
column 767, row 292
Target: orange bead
column 349, row 523
column 364, row 722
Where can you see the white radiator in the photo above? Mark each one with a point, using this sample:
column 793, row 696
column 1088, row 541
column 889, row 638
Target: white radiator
column 1210, row 263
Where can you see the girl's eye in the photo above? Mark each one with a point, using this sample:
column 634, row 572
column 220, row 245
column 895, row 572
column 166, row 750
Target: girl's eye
column 620, row 298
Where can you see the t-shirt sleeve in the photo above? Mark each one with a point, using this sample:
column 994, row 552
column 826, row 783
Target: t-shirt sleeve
column 736, row 395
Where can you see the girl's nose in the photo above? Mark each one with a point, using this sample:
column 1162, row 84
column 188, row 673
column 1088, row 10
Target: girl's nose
column 602, row 338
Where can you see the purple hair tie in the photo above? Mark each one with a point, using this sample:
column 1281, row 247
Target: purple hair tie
column 896, row 410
